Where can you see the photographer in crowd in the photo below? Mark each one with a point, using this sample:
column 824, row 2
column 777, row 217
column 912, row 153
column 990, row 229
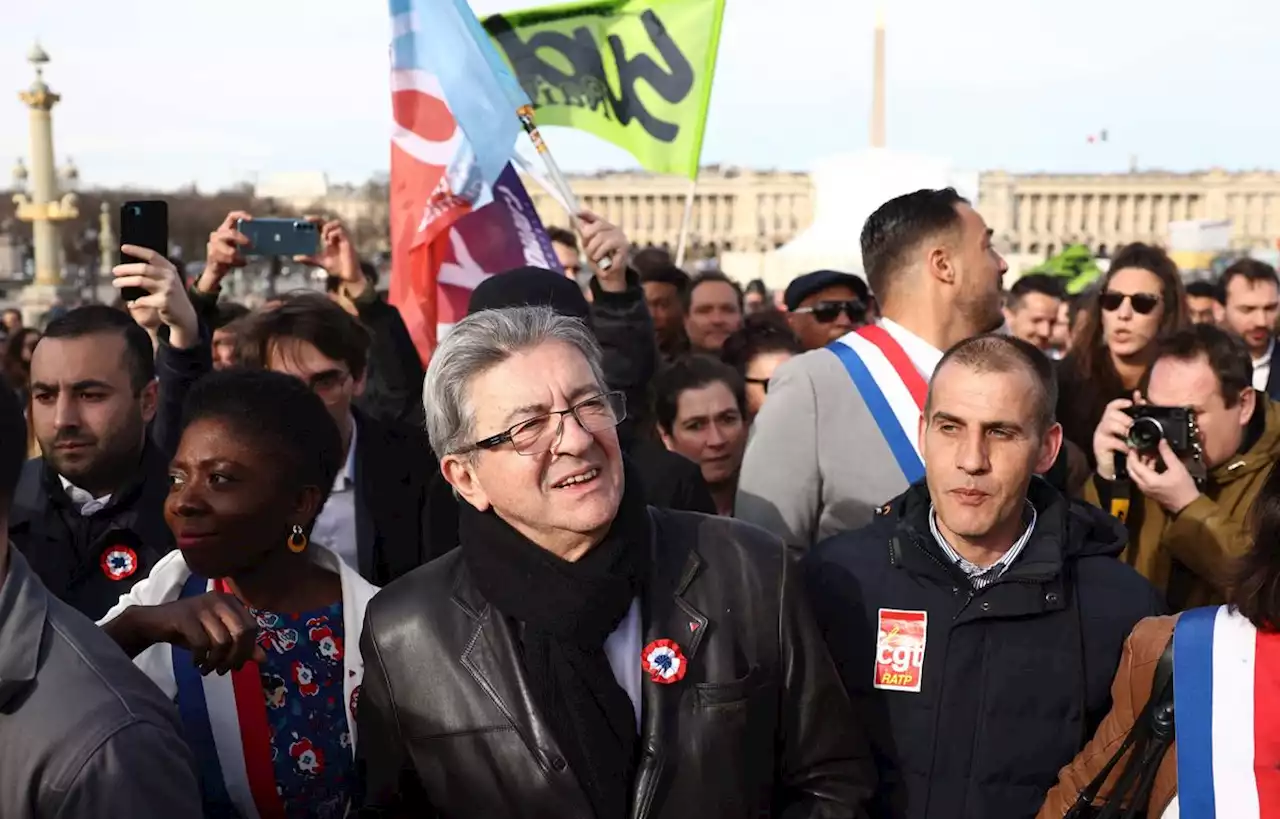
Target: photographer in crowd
column 1183, row 464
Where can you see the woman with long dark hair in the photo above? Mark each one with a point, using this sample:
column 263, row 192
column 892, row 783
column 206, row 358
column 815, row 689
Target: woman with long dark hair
column 1140, row 299
column 1226, row 683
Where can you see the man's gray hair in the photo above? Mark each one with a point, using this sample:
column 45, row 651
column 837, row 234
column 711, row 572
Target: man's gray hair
column 480, row 342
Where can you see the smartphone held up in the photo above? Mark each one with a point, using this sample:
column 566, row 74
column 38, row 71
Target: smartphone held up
column 144, row 223
column 279, row 237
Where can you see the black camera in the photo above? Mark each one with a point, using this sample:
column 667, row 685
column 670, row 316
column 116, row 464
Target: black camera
column 1153, row 424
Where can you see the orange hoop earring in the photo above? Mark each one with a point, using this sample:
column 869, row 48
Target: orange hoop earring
column 297, row 540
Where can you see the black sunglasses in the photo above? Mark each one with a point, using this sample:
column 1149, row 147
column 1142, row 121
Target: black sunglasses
column 825, row 312
column 1142, row 303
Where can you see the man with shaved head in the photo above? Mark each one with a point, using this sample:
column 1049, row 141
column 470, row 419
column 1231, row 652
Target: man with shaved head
column 981, row 614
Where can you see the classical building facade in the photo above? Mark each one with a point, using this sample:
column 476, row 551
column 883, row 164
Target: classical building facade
column 1039, row 214
column 739, row 211
column 734, row 210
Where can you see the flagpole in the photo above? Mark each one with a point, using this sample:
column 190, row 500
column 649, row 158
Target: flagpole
column 556, row 177
column 684, row 223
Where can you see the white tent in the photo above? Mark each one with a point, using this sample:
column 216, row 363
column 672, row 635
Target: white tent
column 847, row 189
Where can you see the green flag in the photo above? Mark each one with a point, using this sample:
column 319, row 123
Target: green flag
column 634, row 72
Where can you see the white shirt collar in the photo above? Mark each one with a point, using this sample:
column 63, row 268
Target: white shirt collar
column 86, row 503
column 923, row 354
column 1265, row 359
column 347, row 477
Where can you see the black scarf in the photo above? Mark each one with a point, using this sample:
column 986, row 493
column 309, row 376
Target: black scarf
column 568, row 610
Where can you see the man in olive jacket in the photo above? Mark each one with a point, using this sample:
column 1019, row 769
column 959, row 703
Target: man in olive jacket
column 1184, row 535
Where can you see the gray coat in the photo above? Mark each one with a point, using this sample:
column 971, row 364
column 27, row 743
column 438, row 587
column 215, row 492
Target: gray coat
column 817, row 464
column 83, row 733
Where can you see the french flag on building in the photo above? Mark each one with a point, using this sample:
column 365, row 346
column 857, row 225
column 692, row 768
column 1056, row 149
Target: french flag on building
column 454, row 105
column 1226, row 688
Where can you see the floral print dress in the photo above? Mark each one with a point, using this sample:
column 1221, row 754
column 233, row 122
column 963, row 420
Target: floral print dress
column 310, row 737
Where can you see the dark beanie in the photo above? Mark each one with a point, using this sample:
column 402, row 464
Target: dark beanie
column 530, row 287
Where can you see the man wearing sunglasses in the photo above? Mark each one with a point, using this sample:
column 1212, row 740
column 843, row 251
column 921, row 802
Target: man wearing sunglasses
column 824, row 305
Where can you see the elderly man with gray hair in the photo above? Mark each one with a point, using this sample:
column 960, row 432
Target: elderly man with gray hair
column 581, row 654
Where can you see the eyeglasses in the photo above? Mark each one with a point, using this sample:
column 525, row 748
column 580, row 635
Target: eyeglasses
column 825, row 312
column 537, row 435
column 762, row 382
column 1142, row 303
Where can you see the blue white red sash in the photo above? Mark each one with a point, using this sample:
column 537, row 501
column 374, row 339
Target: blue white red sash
column 891, row 387
column 1226, row 686
column 225, row 720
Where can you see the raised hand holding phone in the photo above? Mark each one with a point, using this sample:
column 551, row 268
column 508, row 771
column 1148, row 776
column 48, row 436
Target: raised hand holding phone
column 161, row 289
column 223, row 252
column 337, row 256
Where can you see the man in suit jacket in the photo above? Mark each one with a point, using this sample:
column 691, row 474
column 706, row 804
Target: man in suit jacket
column 820, row 461
column 375, row 518
column 1252, row 302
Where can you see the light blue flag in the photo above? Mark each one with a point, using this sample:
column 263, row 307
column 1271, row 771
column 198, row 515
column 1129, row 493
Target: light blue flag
column 443, row 38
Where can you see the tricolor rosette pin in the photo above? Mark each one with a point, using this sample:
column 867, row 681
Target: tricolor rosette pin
column 119, row 562
column 663, row 661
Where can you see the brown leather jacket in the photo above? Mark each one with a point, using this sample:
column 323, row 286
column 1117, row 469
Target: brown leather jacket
column 1129, row 695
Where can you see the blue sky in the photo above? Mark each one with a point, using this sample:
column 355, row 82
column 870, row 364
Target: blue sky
column 163, row 93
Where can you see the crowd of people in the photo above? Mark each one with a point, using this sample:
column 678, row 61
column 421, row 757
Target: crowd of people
column 640, row 543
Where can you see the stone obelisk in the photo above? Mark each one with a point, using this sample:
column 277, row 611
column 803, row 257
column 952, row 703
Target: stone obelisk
column 877, row 84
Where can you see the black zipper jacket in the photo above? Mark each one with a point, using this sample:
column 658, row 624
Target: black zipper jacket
column 1015, row 677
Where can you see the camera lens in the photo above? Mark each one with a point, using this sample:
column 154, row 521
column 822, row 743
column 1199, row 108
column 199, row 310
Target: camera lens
column 1145, row 434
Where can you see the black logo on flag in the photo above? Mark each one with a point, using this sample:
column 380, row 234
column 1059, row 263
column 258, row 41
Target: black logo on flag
column 587, row 85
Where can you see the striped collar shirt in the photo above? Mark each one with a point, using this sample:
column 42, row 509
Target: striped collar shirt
column 983, row 576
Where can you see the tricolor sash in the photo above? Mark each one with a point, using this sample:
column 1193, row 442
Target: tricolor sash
column 1226, row 683
column 891, row 387
column 225, row 721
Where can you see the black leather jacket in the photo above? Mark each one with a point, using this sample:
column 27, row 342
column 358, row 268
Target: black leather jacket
column 759, row 726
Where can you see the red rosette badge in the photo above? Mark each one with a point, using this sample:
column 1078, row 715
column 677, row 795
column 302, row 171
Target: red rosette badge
column 663, row 661
column 118, row 562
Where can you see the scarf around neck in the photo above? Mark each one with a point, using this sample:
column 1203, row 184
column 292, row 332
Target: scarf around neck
column 568, row 610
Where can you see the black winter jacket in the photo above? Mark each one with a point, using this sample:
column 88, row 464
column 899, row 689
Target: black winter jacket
column 1015, row 677
column 72, row 554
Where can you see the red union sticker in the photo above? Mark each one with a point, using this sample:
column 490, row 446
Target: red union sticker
column 900, row 650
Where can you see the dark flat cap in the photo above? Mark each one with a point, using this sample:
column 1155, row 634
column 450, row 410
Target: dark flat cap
column 802, row 287
column 530, row 287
